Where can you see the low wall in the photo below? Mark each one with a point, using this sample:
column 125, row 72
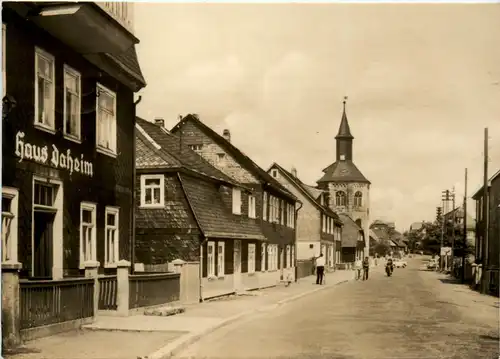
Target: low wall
column 217, row 286
column 305, row 268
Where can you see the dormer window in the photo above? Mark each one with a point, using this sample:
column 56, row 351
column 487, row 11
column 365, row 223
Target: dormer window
column 274, row 173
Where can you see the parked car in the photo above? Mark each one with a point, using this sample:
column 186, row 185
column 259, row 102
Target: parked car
column 400, row 263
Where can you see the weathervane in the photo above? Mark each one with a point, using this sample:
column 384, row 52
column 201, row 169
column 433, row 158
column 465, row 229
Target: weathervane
column 345, row 100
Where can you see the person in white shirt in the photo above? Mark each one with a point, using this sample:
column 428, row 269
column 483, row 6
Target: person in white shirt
column 358, row 266
column 320, row 268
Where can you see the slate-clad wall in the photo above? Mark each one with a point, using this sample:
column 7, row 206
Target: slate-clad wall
column 166, row 234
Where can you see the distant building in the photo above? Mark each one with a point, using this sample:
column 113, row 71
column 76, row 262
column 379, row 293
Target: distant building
column 318, row 227
column 493, row 254
column 352, row 240
column 348, row 188
column 458, row 216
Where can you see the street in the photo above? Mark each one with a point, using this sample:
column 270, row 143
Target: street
column 413, row 314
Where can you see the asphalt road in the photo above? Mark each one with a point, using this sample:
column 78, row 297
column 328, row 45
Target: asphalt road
column 413, row 314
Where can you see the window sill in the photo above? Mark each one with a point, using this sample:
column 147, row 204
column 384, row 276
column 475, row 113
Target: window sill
column 45, row 128
column 221, row 277
column 211, row 278
column 106, row 151
column 251, row 274
column 272, row 270
column 237, row 214
column 110, row 265
column 73, row 139
column 152, row 206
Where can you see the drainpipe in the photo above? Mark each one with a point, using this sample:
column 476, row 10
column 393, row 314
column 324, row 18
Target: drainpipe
column 132, row 212
column 296, row 239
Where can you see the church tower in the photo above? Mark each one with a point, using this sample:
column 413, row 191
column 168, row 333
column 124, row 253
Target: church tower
column 348, row 189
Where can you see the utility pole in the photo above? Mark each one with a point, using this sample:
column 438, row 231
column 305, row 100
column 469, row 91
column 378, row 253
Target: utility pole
column 453, row 216
column 464, row 247
column 485, row 219
column 445, row 197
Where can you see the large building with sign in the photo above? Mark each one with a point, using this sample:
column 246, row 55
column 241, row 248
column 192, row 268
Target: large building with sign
column 70, row 71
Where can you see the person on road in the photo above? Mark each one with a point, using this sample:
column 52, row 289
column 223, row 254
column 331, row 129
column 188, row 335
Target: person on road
column 320, row 268
column 358, row 266
column 366, row 268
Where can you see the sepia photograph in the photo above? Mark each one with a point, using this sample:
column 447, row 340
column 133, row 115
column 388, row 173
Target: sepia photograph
column 250, row 180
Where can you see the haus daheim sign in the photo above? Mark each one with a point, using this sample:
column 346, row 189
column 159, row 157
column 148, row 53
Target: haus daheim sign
column 53, row 156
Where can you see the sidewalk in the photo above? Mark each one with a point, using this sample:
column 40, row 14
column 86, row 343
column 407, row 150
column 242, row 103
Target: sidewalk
column 155, row 337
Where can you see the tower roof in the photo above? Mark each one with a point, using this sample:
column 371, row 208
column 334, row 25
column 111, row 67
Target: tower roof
column 344, row 129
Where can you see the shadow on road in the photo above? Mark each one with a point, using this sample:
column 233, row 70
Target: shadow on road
column 490, row 337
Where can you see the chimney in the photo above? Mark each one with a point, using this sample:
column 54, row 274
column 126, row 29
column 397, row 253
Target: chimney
column 227, row 135
column 159, row 122
column 294, row 172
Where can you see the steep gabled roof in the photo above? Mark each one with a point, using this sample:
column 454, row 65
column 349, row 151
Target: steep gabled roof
column 343, row 171
column 307, row 191
column 243, row 159
column 171, row 153
column 350, row 231
column 213, row 215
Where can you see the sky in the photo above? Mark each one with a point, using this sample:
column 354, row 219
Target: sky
column 422, row 80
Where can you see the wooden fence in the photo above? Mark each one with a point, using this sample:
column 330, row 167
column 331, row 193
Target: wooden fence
column 153, row 289
column 108, row 292
column 45, row 302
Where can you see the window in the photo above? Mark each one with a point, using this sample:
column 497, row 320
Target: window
column 106, row 120
column 72, row 103
column 236, row 201
column 358, row 199
column 220, row 259
column 289, row 256
column 44, row 90
column 272, row 251
column 4, row 63
column 251, row 258
column 10, row 200
column 152, row 191
column 293, row 256
column 263, row 256
column 210, row 259
column 264, row 206
column 196, row 148
column 220, row 157
column 87, row 233
column 112, row 236
column 340, row 198
column 323, row 217
column 251, row 206
column 274, row 173
column 282, row 212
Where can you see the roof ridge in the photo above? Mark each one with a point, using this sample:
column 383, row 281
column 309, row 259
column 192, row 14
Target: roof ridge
column 231, row 147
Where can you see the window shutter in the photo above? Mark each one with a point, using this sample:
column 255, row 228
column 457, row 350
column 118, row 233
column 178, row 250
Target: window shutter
column 244, row 256
column 258, row 256
column 285, row 261
column 279, row 256
column 205, row 262
column 229, row 257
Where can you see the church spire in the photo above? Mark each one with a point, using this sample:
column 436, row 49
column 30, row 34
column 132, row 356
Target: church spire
column 344, row 138
column 344, row 130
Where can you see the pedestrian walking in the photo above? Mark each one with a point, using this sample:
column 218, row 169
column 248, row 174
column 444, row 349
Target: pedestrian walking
column 366, row 268
column 320, row 269
column 358, row 266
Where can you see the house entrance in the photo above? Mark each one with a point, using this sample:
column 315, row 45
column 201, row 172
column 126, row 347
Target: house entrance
column 44, row 214
column 237, row 265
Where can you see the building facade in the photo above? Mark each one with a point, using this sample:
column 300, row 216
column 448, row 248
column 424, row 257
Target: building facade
column 68, row 130
column 491, row 258
column 353, row 244
column 188, row 210
column 275, row 205
column 318, row 228
column 348, row 189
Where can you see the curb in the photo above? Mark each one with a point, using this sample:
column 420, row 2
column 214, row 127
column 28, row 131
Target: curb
column 184, row 341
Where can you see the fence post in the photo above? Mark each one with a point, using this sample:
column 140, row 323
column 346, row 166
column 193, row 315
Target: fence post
column 123, row 285
column 92, row 271
column 11, row 314
column 179, row 265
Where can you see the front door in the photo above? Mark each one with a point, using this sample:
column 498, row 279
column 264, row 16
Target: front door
column 42, row 244
column 237, row 265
